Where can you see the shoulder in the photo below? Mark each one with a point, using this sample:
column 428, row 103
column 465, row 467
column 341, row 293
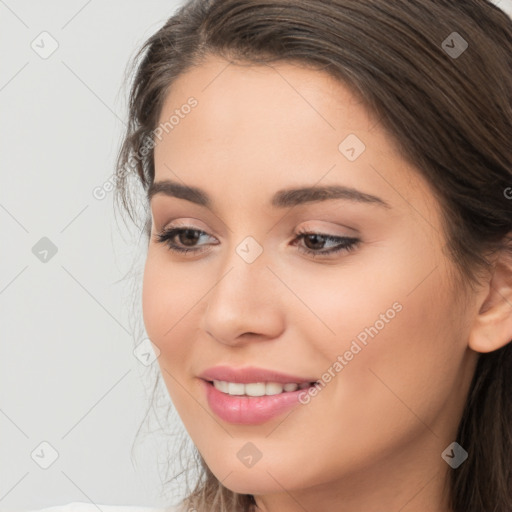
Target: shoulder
column 91, row 507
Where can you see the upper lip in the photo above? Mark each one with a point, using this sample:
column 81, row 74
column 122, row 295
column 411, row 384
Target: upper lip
column 250, row 374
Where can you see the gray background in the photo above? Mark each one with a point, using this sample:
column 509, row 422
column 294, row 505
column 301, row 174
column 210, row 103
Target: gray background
column 68, row 374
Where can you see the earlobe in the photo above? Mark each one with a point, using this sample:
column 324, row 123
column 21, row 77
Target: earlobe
column 492, row 326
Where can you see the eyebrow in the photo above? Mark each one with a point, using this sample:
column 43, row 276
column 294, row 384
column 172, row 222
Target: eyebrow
column 282, row 199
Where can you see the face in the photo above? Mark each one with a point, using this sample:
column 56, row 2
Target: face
column 351, row 287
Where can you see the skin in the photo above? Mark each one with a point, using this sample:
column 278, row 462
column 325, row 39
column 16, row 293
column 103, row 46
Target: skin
column 372, row 439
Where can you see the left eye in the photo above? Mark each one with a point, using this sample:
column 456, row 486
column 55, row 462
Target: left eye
column 314, row 242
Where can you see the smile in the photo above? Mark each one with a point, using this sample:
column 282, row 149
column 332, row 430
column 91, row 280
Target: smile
column 257, row 388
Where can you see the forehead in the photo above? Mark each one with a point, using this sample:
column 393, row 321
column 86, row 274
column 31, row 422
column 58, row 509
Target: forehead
column 255, row 129
column 272, row 95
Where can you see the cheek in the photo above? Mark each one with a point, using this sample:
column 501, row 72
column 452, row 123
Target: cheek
column 405, row 371
column 165, row 303
column 154, row 300
column 393, row 323
column 171, row 305
column 168, row 294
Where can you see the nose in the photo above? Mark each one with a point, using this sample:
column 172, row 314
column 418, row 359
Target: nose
column 245, row 303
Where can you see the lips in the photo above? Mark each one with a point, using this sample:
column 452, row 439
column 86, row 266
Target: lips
column 250, row 411
column 251, row 374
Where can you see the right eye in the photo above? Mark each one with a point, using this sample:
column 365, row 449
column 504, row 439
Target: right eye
column 187, row 237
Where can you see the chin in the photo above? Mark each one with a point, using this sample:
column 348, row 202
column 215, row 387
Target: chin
column 261, row 479
column 249, row 482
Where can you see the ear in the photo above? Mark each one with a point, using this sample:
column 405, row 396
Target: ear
column 492, row 326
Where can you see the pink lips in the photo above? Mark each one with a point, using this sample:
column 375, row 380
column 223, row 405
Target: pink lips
column 246, row 410
column 250, row 374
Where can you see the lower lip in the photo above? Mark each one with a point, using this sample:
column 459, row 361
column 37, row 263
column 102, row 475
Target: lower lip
column 244, row 410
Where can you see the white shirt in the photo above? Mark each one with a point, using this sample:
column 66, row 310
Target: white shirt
column 91, row 507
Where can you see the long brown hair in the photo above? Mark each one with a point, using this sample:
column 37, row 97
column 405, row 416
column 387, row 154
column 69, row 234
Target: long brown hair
column 450, row 115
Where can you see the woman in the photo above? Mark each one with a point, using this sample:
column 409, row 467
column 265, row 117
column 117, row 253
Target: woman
column 328, row 278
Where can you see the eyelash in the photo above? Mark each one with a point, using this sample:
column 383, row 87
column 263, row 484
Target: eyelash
column 346, row 244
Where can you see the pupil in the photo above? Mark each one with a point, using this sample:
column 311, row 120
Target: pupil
column 316, row 238
column 190, row 235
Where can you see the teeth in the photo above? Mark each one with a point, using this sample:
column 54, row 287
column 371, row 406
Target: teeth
column 235, row 388
column 273, row 388
column 257, row 388
column 221, row 385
